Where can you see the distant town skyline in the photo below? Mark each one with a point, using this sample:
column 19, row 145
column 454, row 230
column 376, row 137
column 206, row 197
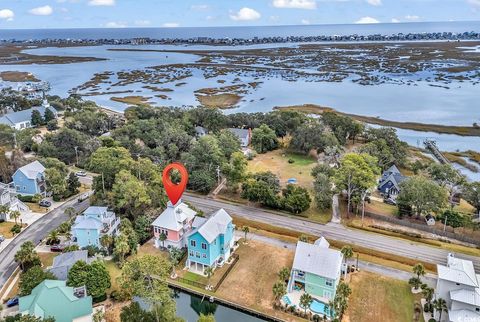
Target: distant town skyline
column 35, row 14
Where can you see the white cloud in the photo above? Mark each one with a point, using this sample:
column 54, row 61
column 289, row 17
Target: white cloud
column 412, row 17
column 367, row 20
column 41, row 11
column 116, row 24
column 142, row 23
column 199, row 7
column 7, row 14
column 395, row 20
column 245, row 14
column 295, row 4
column 171, row 25
column 374, row 2
column 101, row 3
column 305, row 22
column 474, row 2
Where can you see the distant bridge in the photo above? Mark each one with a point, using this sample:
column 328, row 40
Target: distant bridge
column 431, row 145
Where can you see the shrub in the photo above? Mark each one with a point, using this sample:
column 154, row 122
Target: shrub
column 432, row 320
column 100, row 298
column 25, row 198
column 16, row 229
column 291, row 161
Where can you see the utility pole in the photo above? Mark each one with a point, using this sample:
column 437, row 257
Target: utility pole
column 445, row 223
column 218, row 174
column 14, row 140
column 364, row 195
column 103, row 184
column 76, row 154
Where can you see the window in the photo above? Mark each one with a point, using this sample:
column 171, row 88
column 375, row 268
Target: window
column 193, row 243
column 17, row 188
column 204, row 255
column 329, row 282
column 197, row 254
column 204, row 246
column 327, row 294
column 477, row 309
column 190, row 253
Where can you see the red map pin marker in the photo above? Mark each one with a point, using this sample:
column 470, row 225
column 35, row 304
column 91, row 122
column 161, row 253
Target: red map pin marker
column 174, row 191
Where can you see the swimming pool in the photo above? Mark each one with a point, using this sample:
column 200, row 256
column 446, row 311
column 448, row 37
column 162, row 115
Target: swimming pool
column 286, row 299
column 319, row 307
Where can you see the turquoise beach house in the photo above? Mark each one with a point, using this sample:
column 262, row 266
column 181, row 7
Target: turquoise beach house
column 211, row 241
column 93, row 224
column 316, row 270
column 30, row 179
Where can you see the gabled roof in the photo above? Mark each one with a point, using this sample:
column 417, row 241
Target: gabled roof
column 95, row 210
column 471, row 297
column 200, row 130
column 396, row 179
column 82, row 222
column 63, row 262
column 318, row 260
column 24, row 115
column 32, row 169
column 172, row 217
column 55, row 299
column 392, row 169
column 240, row 133
column 214, row 226
column 459, row 271
column 463, row 316
column 322, row 242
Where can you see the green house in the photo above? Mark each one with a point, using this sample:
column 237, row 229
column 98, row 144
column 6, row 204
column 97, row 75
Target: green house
column 55, row 299
column 316, row 270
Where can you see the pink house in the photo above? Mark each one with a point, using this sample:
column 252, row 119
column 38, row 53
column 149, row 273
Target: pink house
column 175, row 222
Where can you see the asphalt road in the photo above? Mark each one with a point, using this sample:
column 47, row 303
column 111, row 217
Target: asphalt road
column 37, row 231
column 334, row 231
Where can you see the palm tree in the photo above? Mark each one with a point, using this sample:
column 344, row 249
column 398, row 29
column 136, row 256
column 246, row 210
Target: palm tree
column 284, row 274
column 246, row 230
column 419, row 270
column 441, row 306
column 208, row 272
column 427, row 292
column 70, row 212
column 53, row 238
column 121, row 248
column 305, row 301
column 279, row 290
column 415, row 282
column 347, row 252
column 26, row 254
column 4, row 210
column 106, row 241
column 15, row 214
column 175, row 256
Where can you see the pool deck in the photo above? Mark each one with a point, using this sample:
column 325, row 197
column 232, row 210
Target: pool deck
column 294, row 297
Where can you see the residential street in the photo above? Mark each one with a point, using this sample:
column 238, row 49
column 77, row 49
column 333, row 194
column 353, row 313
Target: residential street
column 333, row 231
column 35, row 232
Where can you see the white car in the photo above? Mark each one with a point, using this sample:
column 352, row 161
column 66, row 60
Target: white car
column 81, row 173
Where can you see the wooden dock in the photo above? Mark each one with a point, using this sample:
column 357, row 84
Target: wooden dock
column 431, row 146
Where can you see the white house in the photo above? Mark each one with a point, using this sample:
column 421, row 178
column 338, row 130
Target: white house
column 8, row 198
column 459, row 286
column 23, row 119
column 244, row 135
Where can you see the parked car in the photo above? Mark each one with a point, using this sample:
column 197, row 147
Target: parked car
column 57, row 248
column 12, row 302
column 83, row 197
column 1, row 238
column 45, row 203
column 81, row 173
column 390, row 201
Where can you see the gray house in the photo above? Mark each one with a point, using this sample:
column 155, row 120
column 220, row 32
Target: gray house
column 244, row 135
column 389, row 184
column 63, row 262
column 22, row 119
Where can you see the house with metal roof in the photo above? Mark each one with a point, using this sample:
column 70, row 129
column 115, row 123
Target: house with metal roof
column 244, row 135
column 95, row 222
column 211, row 241
column 8, row 198
column 459, row 286
column 55, row 299
column 389, row 184
column 30, row 179
column 63, row 262
column 316, row 270
column 23, row 119
column 175, row 222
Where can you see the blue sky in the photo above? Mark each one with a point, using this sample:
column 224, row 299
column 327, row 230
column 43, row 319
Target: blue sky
column 193, row 13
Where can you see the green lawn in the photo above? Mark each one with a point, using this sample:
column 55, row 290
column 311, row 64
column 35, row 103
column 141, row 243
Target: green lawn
column 114, row 272
column 378, row 298
column 5, row 228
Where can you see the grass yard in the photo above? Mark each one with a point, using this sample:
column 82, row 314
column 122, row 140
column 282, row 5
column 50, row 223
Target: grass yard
column 381, row 208
column 34, row 207
column 114, row 272
column 250, row 282
column 277, row 162
column 47, row 258
column 5, row 228
column 378, row 298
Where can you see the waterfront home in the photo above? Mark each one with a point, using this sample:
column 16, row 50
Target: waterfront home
column 23, row 119
column 316, row 270
column 8, row 198
column 211, row 241
column 30, row 179
column 174, row 223
column 54, row 299
column 389, row 184
column 95, row 222
column 459, row 286
column 244, row 135
column 200, row 131
column 63, row 262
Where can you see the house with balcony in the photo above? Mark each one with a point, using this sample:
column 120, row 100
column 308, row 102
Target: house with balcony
column 30, row 179
column 8, row 198
column 211, row 241
column 316, row 270
column 174, row 223
column 459, row 286
column 95, row 222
